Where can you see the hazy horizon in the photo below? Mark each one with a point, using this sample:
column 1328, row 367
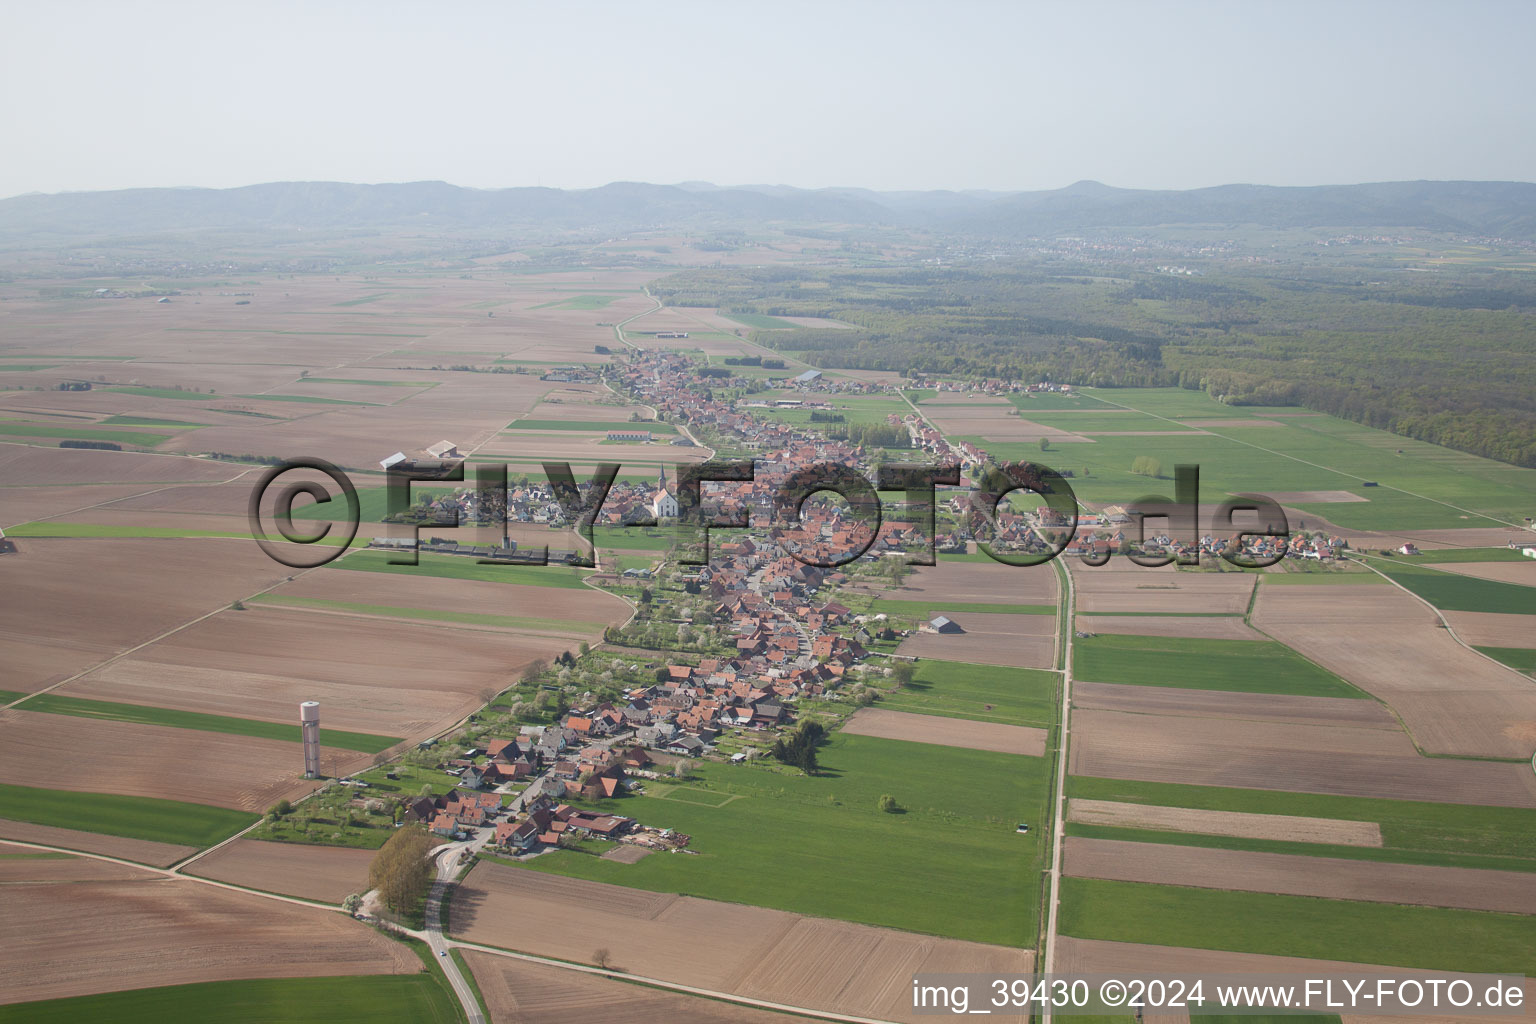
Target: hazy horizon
column 890, row 97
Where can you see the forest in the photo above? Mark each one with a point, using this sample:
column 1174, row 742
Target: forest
column 1447, row 357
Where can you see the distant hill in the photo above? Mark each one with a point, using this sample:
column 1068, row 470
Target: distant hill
column 1506, row 209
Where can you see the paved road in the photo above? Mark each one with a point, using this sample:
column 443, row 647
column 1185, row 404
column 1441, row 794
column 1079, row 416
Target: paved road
column 1046, row 963
column 448, row 866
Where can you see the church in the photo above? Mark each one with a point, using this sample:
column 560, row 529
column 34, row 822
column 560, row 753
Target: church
column 663, row 503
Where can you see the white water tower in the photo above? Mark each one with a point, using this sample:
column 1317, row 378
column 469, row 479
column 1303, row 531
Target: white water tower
column 309, row 724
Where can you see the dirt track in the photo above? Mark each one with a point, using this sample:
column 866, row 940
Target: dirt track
column 1225, row 823
column 947, row 732
column 1299, row 875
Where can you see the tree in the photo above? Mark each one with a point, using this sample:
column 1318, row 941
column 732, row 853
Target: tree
column 1146, row 465
column 400, row 870
column 602, row 957
column 281, row 808
column 903, row 672
column 1045, row 444
column 238, row 606
column 887, row 803
column 645, row 595
column 536, row 668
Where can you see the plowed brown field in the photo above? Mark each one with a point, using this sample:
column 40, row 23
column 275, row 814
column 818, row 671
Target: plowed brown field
column 1508, row 892
column 86, row 937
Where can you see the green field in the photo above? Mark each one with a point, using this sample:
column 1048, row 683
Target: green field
column 1048, row 401
column 50, row 528
column 1450, row 591
column 6, row 696
column 458, row 567
column 761, row 322
column 589, row 301
column 161, row 393
column 136, row 817
column 1242, row 666
column 1017, row 696
column 1522, row 659
column 1463, row 830
column 307, row 398
column 364, row 300
column 1426, row 486
column 52, row 704
column 928, row 609
column 1468, row 555
column 1299, row 926
column 11, row 428
column 368, row 383
column 342, row 1000
column 820, row 845
column 591, row 426
column 520, row 622
column 149, row 421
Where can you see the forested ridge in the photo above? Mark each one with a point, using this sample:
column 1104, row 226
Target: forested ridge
column 1449, row 358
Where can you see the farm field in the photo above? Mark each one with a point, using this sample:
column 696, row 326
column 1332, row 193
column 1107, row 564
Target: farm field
column 1251, row 705
column 1453, row 591
column 1289, row 827
column 751, row 951
column 23, row 864
column 1450, row 700
column 63, row 628
column 1079, row 955
column 1253, row 666
column 324, row 873
column 958, row 833
column 1121, row 587
column 1267, row 459
column 93, row 937
column 1358, row 932
column 235, row 772
column 529, row 993
column 1494, row 629
column 946, row 732
column 1412, row 831
column 1010, row 641
column 375, row 676
column 18, row 801
column 1342, row 760
column 1210, row 627
column 980, row 581
column 300, row 1000
column 1508, row 892
column 983, row 693
column 53, row 704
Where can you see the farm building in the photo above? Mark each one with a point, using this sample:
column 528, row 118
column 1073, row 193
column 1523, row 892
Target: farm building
column 808, row 377
column 629, row 435
column 393, row 460
column 944, row 624
column 444, row 450
column 7, row 546
column 671, row 334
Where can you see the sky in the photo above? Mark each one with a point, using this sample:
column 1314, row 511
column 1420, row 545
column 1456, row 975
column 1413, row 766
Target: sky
column 886, row 95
